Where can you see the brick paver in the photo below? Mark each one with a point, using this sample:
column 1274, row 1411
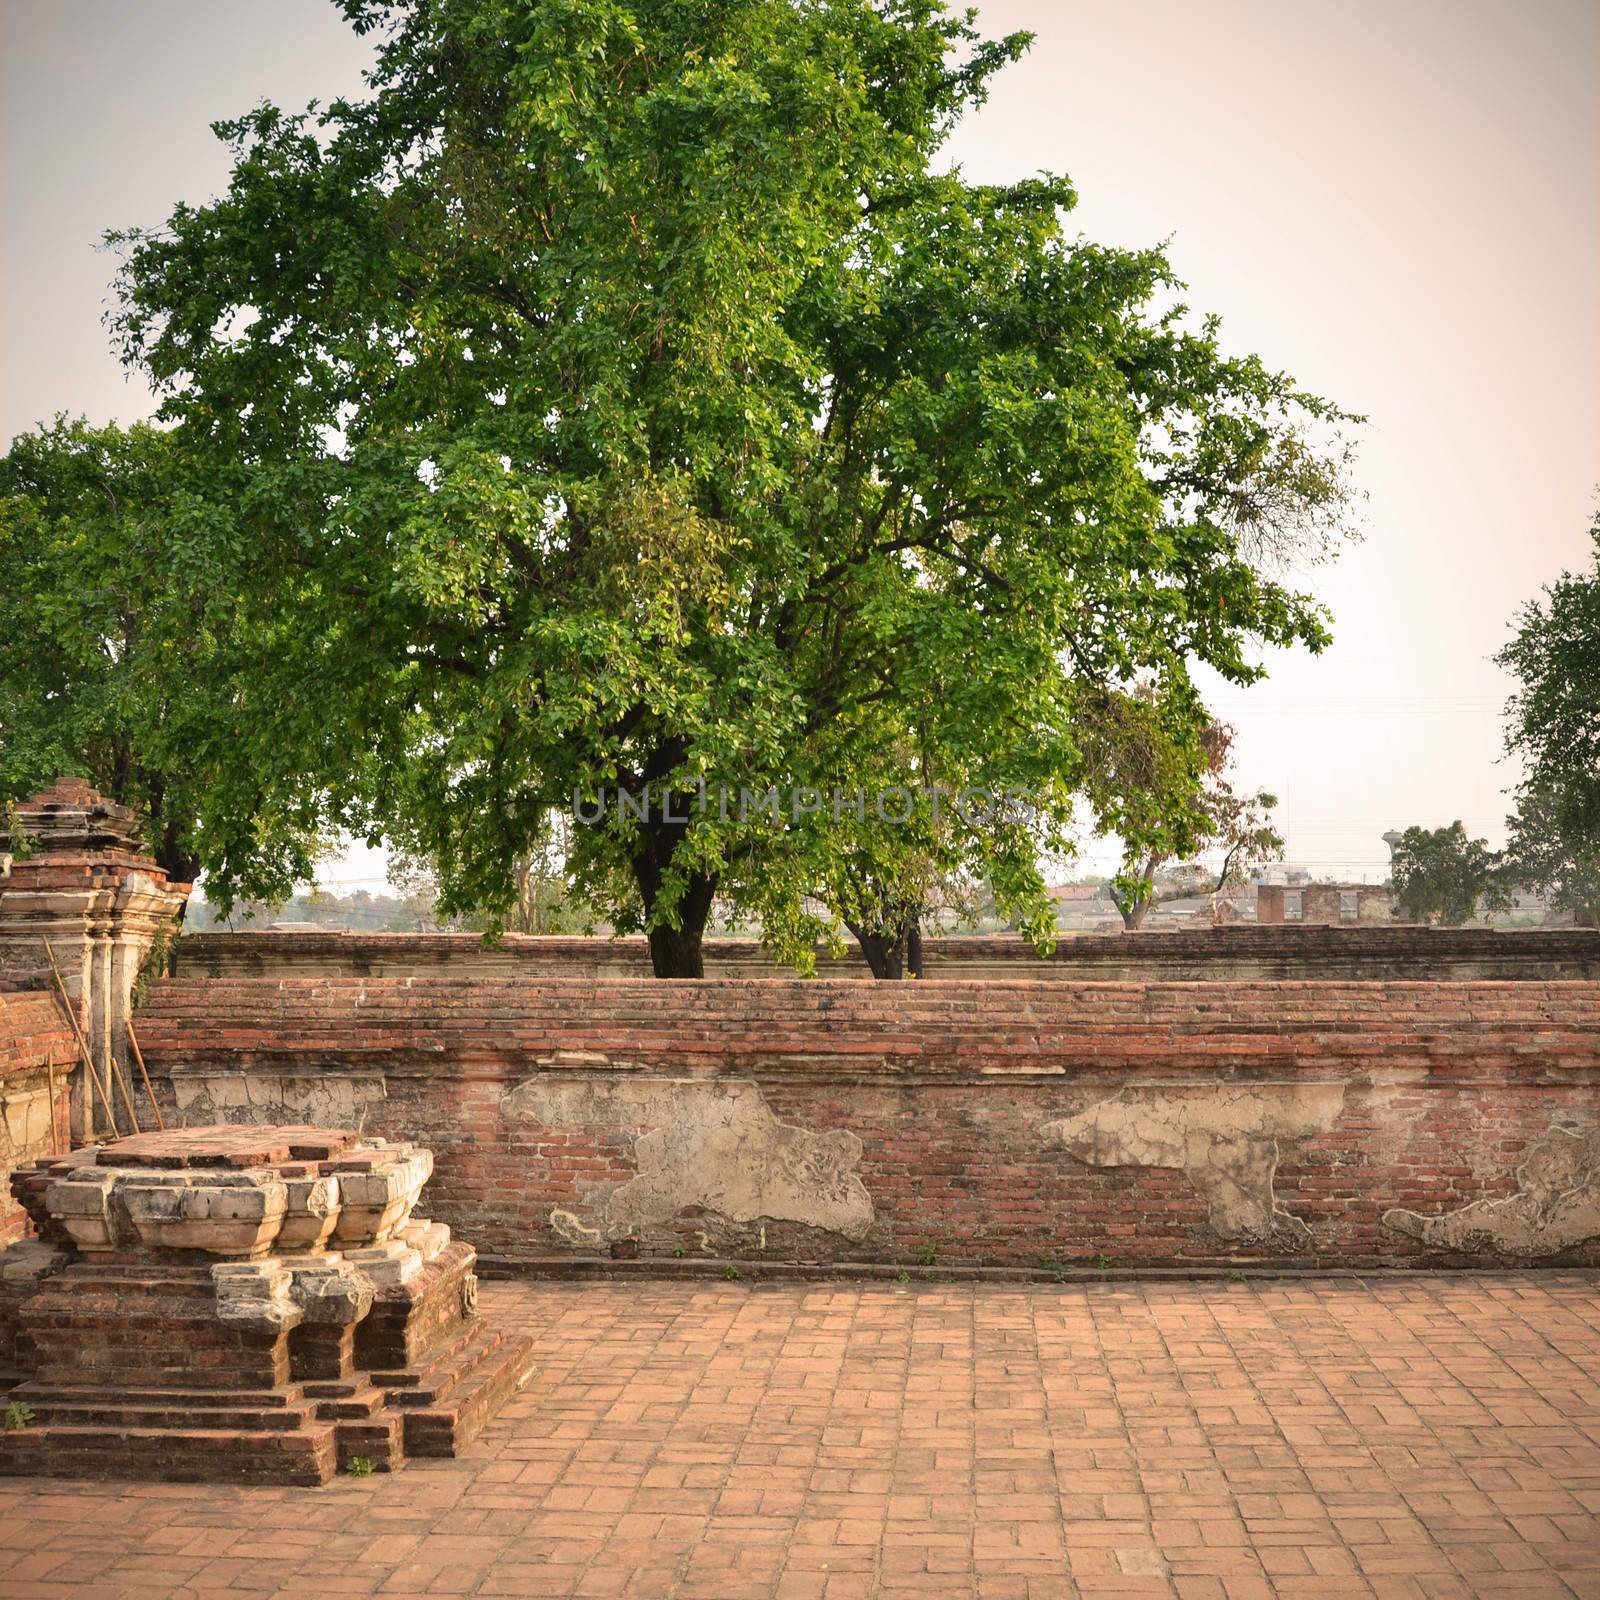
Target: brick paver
column 1427, row 1437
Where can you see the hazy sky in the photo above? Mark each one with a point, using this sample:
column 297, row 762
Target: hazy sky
column 1395, row 200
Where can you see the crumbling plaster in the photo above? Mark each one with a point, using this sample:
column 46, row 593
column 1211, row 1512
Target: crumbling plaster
column 334, row 1101
column 1556, row 1206
column 710, row 1144
column 1223, row 1136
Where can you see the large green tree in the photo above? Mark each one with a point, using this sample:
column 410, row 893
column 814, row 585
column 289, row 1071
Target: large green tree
column 620, row 396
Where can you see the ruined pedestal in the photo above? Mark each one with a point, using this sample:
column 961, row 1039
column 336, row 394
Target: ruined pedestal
column 249, row 1304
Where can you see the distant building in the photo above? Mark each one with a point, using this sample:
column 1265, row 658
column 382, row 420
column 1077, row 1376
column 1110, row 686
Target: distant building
column 1325, row 905
column 1081, row 907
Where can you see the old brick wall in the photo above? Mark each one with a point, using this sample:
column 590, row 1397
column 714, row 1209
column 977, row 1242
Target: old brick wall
column 37, row 1051
column 1208, row 953
column 1027, row 1124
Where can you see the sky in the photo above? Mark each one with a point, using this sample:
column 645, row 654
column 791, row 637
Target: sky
column 1394, row 200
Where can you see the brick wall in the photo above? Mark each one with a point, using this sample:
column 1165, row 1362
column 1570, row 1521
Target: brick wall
column 1002, row 1122
column 34, row 1035
column 1207, row 953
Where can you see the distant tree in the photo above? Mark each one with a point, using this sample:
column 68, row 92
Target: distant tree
column 632, row 394
column 1442, row 876
column 545, row 899
column 1237, row 824
column 1554, row 724
column 542, row 899
column 1549, row 850
column 416, row 883
column 928, row 819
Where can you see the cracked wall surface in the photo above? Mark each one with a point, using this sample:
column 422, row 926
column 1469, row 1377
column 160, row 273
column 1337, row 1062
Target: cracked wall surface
column 336, row 1101
column 1223, row 1137
column 715, row 1145
column 1556, row 1206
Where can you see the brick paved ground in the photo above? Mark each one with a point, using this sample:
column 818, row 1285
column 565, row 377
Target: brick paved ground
column 1419, row 1436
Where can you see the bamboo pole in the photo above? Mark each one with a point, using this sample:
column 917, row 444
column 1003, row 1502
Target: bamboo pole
column 122, row 1084
column 83, row 1044
column 138, row 1056
column 55, row 1125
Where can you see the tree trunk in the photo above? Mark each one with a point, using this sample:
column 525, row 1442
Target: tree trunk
column 893, row 952
column 1134, row 912
column 179, row 864
column 674, row 952
column 885, row 952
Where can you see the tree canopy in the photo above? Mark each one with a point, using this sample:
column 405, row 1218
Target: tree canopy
column 1554, row 715
column 109, row 666
column 79, row 544
column 1554, row 729
column 624, row 396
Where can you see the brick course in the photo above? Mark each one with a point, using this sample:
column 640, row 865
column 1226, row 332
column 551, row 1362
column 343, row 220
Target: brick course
column 1242, row 953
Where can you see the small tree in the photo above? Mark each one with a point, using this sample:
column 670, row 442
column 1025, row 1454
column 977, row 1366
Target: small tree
column 542, row 898
column 546, row 901
column 416, row 883
column 1555, row 713
column 1239, row 825
column 1550, row 851
column 930, row 815
column 1441, row 876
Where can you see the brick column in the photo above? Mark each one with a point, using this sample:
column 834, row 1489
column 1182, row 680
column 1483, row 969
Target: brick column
column 73, row 872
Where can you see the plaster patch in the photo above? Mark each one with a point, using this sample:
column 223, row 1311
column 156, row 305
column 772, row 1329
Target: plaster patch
column 1556, row 1206
column 25, row 1115
column 333, row 1101
column 566, row 1226
column 710, row 1144
column 1224, row 1138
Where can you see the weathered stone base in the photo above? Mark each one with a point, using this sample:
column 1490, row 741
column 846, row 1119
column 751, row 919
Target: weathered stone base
column 132, row 1375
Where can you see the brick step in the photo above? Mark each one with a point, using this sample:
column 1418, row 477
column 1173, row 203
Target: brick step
column 444, row 1357
column 168, row 1396
column 121, row 1413
column 362, row 1401
column 128, row 1364
column 305, row 1456
column 491, row 1372
column 440, row 1378
column 380, row 1439
column 260, row 1410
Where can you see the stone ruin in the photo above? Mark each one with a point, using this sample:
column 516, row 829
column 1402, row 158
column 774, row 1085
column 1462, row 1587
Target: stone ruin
column 243, row 1304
